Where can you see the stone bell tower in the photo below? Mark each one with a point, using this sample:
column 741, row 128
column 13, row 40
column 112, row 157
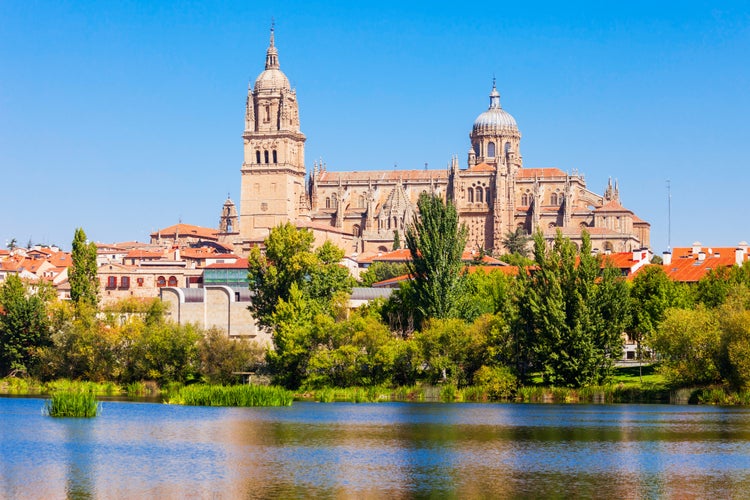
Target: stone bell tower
column 273, row 170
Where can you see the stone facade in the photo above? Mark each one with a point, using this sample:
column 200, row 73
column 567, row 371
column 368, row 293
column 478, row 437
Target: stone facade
column 362, row 211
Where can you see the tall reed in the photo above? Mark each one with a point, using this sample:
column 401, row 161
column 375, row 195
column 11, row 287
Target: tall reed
column 235, row 395
column 72, row 404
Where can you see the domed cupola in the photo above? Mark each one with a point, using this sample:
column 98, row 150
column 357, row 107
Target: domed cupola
column 495, row 119
column 272, row 78
column 495, row 134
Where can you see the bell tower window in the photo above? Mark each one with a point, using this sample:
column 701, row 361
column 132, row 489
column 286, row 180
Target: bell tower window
column 274, row 156
column 265, row 156
column 491, row 150
column 257, row 156
column 470, row 195
column 479, row 194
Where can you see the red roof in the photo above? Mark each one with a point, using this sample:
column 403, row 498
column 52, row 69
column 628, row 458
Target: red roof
column 540, row 172
column 481, row 167
column 183, row 230
column 238, row 264
column 689, row 268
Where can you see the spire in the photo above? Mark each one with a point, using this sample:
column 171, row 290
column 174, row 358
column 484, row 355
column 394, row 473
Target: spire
column 494, row 96
column 272, row 55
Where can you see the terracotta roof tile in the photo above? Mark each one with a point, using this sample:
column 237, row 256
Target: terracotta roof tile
column 184, row 230
column 542, row 173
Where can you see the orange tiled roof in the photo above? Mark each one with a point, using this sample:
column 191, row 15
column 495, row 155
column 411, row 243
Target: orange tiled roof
column 186, row 230
column 532, row 173
column 143, row 254
column 481, row 167
column 238, row 264
column 612, row 206
column 689, row 268
column 60, row 259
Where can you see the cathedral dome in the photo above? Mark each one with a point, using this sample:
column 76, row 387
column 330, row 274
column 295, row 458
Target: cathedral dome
column 495, row 118
column 272, row 78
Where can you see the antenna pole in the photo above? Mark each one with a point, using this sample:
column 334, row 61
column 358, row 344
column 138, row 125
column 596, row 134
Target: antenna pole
column 669, row 215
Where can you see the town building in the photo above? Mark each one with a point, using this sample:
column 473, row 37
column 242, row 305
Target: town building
column 362, row 211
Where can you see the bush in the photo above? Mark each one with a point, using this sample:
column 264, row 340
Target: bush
column 498, row 381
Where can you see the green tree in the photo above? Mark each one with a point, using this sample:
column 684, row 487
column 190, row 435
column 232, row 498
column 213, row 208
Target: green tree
column 516, row 242
column 396, row 240
column 221, row 357
column 380, row 271
column 651, row 294
column 436, row 242
column 289, row 260
column 84, row 284
column 688, row 342
column 569, row 315
column 24, row 326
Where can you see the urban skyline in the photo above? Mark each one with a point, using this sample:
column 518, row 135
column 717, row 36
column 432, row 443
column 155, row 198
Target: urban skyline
column 124, row 119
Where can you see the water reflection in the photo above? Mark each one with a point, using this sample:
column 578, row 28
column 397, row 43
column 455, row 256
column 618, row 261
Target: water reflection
column 373, row 450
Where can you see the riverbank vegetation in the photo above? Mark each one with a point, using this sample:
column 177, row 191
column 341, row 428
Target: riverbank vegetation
column 550, row 332
column 236, row 395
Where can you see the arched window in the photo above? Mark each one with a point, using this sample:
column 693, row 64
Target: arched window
column 487, row 192
column 268, row 114
column 328, row 202
column 161, row 281
column 470, row 195
column 334, row 201
column 553, row 199
column 172, row 281
column 491, row 149
column 524, row 200
column 480, row 193
column 507, row 147
column 275, row 160
column 257, row 156
column 265, row 156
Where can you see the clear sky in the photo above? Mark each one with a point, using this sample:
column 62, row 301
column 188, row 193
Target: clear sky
column 125, row 117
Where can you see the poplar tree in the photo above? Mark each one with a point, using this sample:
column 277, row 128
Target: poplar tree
column 436, row 242
column 84, row 283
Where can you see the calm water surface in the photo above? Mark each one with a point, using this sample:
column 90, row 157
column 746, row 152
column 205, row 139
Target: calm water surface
column 398, row 450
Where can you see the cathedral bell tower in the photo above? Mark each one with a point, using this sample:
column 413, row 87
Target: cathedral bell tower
column 273, row 170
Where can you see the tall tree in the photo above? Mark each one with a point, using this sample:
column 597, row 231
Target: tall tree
column 436, row 242
column 24, row 325
column 84, row 284
column 290, row 259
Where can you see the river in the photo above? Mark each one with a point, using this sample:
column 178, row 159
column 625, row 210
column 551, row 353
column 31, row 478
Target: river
column 394, row 450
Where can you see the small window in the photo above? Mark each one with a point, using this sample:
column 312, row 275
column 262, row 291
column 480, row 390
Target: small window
column 479, row 195
column 257, row 156
column 491, row 149
column 265, row 156
column 139, row 281
column 172, row 281
column 553, row 199
column 275, row 158
column 161, row 281
column 487, row 193
column 525, row 200
column 125, row 282
column 328, row 202
column 356, row 231
column 470, row 195
column 112, row 282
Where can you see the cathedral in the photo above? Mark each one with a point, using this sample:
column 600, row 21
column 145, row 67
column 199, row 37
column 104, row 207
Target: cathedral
column 363, row 211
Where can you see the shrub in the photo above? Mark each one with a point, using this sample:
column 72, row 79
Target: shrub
column 79, row 403
column 498, row 381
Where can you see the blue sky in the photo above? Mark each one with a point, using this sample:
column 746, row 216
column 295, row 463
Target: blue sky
column 124, row 117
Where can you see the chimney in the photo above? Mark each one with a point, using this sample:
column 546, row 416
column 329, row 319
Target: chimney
column 637, row 255
column 739, row 256
column 701, row 256
column 696, row 247
column 666, row 258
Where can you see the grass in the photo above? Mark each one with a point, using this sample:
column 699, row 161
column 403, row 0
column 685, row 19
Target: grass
column 234, row 395
column 72, row 403
column 372, row 394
